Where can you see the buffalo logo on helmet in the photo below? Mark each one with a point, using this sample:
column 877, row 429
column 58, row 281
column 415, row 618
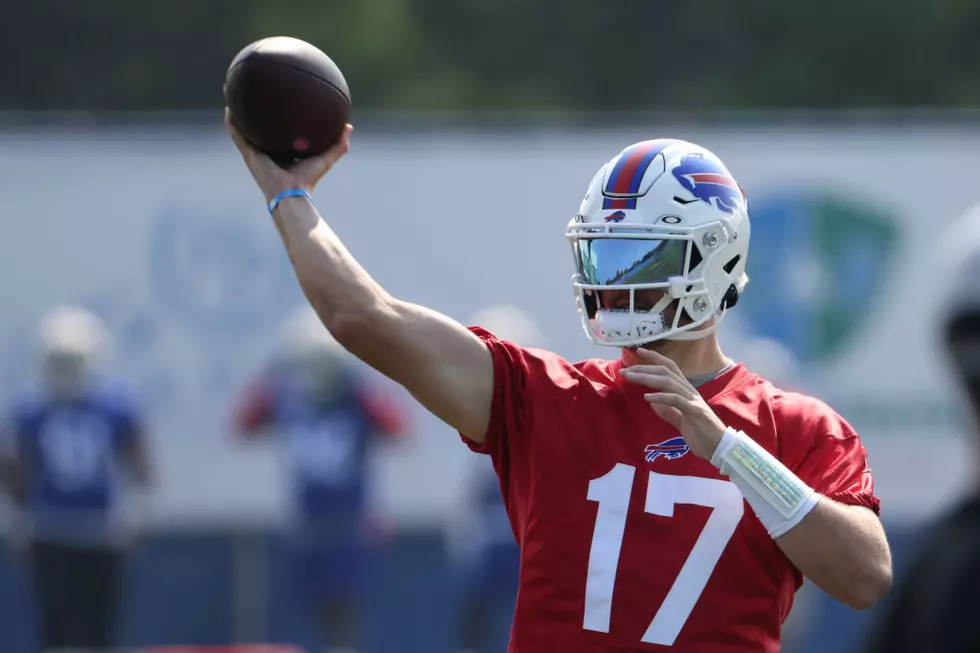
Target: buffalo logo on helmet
column 618, row 216
column 708, row 181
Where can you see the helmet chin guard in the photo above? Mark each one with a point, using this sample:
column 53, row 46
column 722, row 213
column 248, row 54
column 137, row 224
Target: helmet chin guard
column 624, row 328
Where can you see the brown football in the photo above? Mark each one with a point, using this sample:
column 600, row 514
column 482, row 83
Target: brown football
column 287, row 98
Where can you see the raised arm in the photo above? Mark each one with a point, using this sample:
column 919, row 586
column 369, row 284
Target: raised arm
column 444, row 366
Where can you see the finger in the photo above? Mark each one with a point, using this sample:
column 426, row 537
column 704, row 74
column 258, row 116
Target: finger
column 236, row 135
column 344, row 142
column 659, row 369
column 662, row 381
column 317, row 166
column 251, row 156
column 668, row 414
column 338, row 149
column 659, row 358
column 647, row 369
column 258, row 163
column 667, row 399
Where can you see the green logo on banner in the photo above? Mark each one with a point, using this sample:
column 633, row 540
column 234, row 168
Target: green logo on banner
column 817, row 264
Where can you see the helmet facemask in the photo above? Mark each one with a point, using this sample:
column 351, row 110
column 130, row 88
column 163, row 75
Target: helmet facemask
column 685, row 265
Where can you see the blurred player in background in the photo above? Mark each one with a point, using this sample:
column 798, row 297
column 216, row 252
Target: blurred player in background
column 71, row 447
column 934, row 606
column 491, row 556
column 323, row 413
column 666, row 500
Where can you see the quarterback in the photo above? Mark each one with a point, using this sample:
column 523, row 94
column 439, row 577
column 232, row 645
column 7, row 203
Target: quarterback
column 669, row 500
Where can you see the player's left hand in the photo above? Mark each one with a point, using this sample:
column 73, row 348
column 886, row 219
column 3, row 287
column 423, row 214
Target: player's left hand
column 677, row 402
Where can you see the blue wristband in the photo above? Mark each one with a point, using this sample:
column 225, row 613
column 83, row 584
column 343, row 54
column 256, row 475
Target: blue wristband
column 292, row 192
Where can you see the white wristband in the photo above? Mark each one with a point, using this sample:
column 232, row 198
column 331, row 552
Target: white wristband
column 779, row 498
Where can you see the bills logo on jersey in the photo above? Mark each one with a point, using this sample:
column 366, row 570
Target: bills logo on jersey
column 618, row 216
column 670, row 449
column 708, row 181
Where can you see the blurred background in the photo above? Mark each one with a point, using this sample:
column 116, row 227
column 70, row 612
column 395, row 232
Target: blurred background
column 854, row 129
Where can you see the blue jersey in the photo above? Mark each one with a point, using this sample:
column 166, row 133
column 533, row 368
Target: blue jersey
column 327, row 450
column 70, row 452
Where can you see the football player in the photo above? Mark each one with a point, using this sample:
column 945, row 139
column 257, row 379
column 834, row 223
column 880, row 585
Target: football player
column 324, row 415
column 669, row 499
column 932, row 609
column 71, row 446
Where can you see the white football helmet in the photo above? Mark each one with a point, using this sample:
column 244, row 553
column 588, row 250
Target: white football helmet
column 662, row 215
column 73, row 343
column 309, row 356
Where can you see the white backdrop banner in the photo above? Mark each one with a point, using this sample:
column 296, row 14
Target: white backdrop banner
column 162, row 233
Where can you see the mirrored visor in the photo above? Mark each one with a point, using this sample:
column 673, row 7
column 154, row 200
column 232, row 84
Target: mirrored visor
column 618, row 261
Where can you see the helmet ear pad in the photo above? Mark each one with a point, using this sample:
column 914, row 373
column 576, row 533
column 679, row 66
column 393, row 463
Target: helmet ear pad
column 730, row 298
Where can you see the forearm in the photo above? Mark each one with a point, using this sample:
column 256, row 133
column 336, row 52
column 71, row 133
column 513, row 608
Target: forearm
column 840, row 548
column 843, row 550
column 336, row 285
column 360, row 315
column 342, row 293
column 441, row 363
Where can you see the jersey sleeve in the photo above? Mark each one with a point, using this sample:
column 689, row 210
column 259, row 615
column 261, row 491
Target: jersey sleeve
column 385, row 413
column 509, row 411
column 827, row 454
column 254, row 408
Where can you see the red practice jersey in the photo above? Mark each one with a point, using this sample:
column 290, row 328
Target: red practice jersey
column 630, row 542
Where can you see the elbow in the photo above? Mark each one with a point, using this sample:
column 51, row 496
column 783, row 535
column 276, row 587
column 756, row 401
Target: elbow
column 356, row 329
column 346, row 327
column 871, row 588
